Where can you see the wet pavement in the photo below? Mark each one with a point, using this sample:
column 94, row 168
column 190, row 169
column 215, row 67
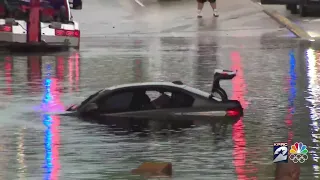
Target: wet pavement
column 310, row 24
column 124, row 42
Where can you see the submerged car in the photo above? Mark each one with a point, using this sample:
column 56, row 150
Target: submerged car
column 38, row 23
column 161, row 101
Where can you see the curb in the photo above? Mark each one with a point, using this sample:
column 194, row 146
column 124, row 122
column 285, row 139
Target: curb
column 295, row 29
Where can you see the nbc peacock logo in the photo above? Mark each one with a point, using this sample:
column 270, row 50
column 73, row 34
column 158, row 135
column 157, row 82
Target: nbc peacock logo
column 298, row 153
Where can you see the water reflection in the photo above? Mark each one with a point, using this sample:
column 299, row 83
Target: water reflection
column 21, row 155
column 74, row 71
column 50, row 70
column 176, row 61
column 137, row 67
column 138, row 64
column 312, row 58
column 34, row 73
column 8, row 74
column 51, row 137
column 206, row 58
column 238, row 134
column 31, row 68
column 292, row 96
column 51, row 102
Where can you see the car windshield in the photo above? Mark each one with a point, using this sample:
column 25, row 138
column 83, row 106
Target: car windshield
column 89, row 98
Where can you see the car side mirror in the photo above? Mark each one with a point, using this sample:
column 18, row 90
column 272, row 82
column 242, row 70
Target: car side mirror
column 91, row 107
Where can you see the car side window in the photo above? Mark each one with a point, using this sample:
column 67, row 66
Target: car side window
column 158, row 99
column 118, row 102
column 181, row 100
column 152, row 94
column 163, row 99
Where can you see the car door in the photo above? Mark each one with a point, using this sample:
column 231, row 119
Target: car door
column 112, row 107
column 115, row 102
column 177, row 102
column 125, row 104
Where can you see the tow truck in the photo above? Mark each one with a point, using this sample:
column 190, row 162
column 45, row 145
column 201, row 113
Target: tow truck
column 38, row 24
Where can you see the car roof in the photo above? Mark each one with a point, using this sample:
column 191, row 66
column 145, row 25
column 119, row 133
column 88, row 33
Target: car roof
column 146, row 84
column 159, row 84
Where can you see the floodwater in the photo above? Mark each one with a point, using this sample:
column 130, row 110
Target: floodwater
column 277, row 84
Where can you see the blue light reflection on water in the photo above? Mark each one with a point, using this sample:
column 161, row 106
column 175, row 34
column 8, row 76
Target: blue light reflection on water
column 293, row 78
column 48, row 121
column 292, row 95
column 47, row 96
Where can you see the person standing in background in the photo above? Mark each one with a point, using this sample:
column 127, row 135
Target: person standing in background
column 213, row 5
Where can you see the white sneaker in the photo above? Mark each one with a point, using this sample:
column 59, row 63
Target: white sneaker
column 215, row 13
column 199, row 14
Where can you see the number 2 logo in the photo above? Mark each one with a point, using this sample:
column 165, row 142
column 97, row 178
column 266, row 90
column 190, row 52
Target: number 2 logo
column 281, row 151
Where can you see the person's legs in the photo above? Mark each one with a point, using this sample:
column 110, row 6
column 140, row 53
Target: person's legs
column 200, row 7
column 214, row 7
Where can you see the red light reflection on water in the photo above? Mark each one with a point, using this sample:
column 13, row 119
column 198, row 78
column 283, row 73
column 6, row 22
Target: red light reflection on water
column 238, row 134
column 288, row 121
column 291, row 89
column 77, row 58
column 137, row 67
column 34, row 72
column 60, row 68
column 55, row 103
column 289, row 116
column 55, row 150
column 8, row 74
column 74, row 71
column 70, row 62
column 55, row 131
column 52, row 102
